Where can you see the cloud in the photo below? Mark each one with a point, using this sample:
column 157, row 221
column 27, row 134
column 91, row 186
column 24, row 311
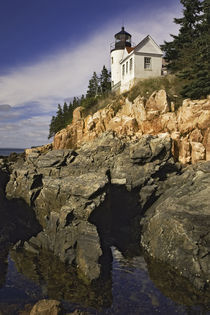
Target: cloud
column 25, row 132
column 5, row 108
column 33, row 91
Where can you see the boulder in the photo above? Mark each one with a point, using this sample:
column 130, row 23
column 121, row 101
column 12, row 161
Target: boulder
column 158, row 102
column 198, row 152
column 176, row 228
column 78, row 114
column 46, row 307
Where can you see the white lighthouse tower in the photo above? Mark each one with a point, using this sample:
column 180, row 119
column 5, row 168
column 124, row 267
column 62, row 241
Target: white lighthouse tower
column 122, row 40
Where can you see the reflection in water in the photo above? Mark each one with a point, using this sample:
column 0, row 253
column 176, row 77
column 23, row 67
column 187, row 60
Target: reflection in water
column 59, row 281
column 177, row 288
column 130, row 291
column 3, row 265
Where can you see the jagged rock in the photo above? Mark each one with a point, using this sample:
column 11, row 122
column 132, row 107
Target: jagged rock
column 91, row 198
column 88, row 251
column 78, row 114
column 198, row 152
column 158, row 102
column 190, row 123
column 67, row 189
column 39, row 150
column 47, row 307
column 206, row 143
column 176, row 227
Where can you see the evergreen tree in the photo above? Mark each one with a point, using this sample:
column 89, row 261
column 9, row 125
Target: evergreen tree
column 70, row 112
column 105, row 81
column 198, row 75
column 97, row 88
column 65, row 113
column 65, row 108
column 179, row 52
column 56, row 122
column 93, row 87
column 52, row 127
column 75, row 102
column 59, row 119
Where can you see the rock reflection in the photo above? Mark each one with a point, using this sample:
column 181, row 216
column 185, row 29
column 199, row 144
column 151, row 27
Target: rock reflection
column 3, row 265
column 174, row 286
column 60, row 282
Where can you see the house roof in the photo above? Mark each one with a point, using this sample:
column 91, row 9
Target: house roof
column 144, row 41
column 129, row 49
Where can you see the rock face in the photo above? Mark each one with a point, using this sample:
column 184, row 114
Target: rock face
column 176, row 229
column 82, row 197
column 93, row 198
column 189, row 127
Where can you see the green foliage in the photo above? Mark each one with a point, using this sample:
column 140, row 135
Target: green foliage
column 189, row 52
column 98, row 89
column 63, row 117
column 179, row 52
column 198, row 74
column 93, row 87
column 99, row 85
column 105, row 81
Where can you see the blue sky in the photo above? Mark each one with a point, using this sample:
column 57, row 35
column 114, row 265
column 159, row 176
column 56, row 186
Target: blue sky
column 50, row 48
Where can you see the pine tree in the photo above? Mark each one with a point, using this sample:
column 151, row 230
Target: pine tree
column 93, row 87
column 57, row 122
column 97, row 88
column 198, row 75
column 179, row 52
column 105, row 81
column 52, row 127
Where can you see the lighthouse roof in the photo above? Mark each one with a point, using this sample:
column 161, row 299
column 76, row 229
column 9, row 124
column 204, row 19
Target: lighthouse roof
column 122, row 32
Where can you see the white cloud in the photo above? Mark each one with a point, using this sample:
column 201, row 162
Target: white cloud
column 25, row 133
column 65, row 74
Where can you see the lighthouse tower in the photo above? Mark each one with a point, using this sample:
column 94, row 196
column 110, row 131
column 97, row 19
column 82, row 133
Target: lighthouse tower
column 122, row 40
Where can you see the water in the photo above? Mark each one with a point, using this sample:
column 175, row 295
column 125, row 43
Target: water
column 8, row 151
column 131, row 289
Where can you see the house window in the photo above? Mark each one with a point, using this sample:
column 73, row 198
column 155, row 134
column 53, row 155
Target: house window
column 147, row 63
column 123, row 70
column 126, row 66
column 131, row 64
column 112, row 60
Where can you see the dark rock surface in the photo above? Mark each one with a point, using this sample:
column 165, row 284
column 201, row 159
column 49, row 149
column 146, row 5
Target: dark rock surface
column 72, row 194
column 92, row 199
column 18, row 220
column 176, row 229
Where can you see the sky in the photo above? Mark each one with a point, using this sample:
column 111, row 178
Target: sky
column 50, row 49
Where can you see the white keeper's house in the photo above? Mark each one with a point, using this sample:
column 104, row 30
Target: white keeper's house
column 129, row 63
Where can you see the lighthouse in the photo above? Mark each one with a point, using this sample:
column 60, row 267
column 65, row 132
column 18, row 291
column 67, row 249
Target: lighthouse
column 131, row 63
column 122, row 40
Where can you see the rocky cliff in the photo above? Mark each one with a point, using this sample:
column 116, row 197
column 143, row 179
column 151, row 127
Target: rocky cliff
column 86, row 198
column 115, row 192
column 113, row 179
column 189, row 127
